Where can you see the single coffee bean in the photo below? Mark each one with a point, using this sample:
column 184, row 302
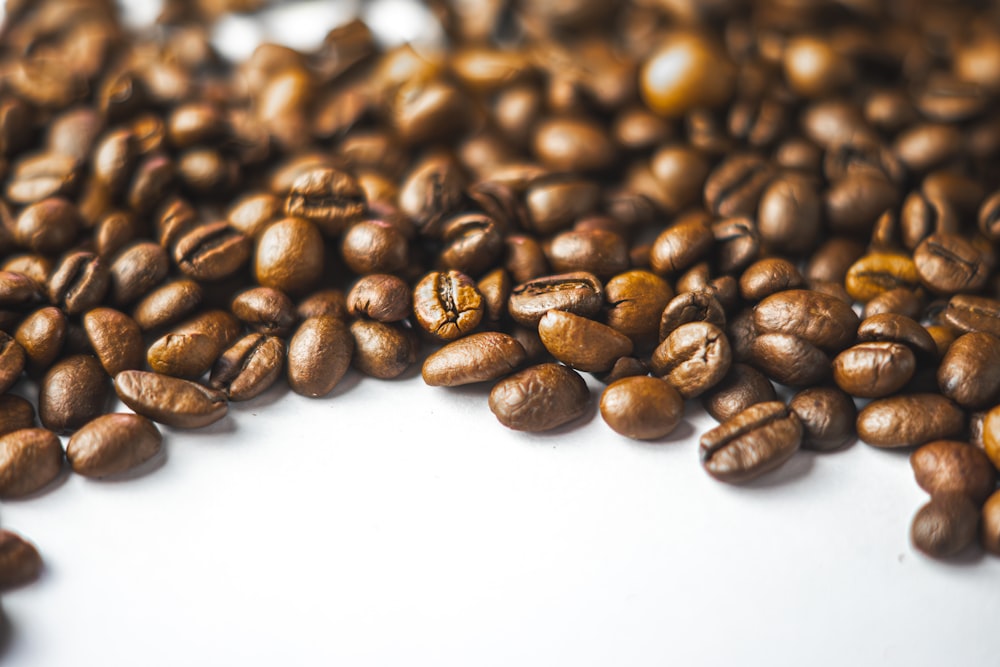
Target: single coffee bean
column 573, row 144
column 289, row 256
column 382, row 350
column 737, row 243
column 945, row 526
column 41, row 335
column 218, row 325
column 49, row 226
column 73, row 392
column 741, row 331
column 636, row 300
column 324, row 302
column 495, row 287
column 249, row 367
column 136, row 271
column 900, row 301
column 600, row 252
column 991, row 435
column 374, row 246
column 853, row 204
column 788, row 216
column 695, row 306
column 12, row 361
column 681, row 245
column 874, row 370
column 432, row 191
column 19, row 561
column 265, row 309
column 989, row 535
column 17, row 290
column 908, row 421
column 319, row 354
column 169, row 400
column 753, row 442
column 167, row 304
column 927, row 145
column 989, row 217
column 540, row 398
column 827, row 415
column 642, row 407
column 735, row 186
column 578, row 293
column 948, row 264
column 624, row 367
column 922, row 216
column 788, row 359
column 112, row 444
column 582, row 343
column 742, row 387
column 769, row 276
column 185, row 355
column 672, row 80
column 947, row 466
column 327, row 197
column 479, row 357
column 79, row 283
column 29, row 459
column 252, row 213
column 115, row 338
column 878, row 273
column 973, row 313
column 15, row 413
column 473, row 243
column 680, row 170
column 833, row 259
column 969, row 373
column 33, row 265
column 447, row 305
column 693, row 358
column 814, row 68
column 822, row 320
column 212, row 252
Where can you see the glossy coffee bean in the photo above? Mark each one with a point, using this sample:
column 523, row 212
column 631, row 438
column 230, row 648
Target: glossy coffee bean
column 788, row 359
column 969, row 373
column 874, row 370
column 447, row 305
column 752, row 443
column 948, row 264
column 827, row 415
column 319, row 354
column 578, row 293
column 29, row 459
column 478, row 357
column 79, row 283
column 264, row 309
column 381, row 349
column 73, row 392
column 910, row 420
column 249, row 367
column 948, row 466
column 742, row 387
column 989, row 534
column 945, row 526
column 674, row 80
column 693, row 358
column 642, row 407
column 289, row 256
column 581, row 343
column 19, row 561
column 15, row 413
column 113, row 444
column 540, row 398
column 170, row 401
column 817, row 318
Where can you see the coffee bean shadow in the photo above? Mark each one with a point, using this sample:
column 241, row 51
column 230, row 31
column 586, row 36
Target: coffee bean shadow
column 683, row 432
column 579, row 422
column 220, row 430
column 350, row 380
column 970, row 556
column 793, row 470
column 61, row 478
column 145, row 469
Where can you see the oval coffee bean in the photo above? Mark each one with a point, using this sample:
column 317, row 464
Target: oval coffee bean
column 945, row 526
column 171, row 401
column 742, row 387
column 212, row 252
column 636, row 300
column 381, row 297
column 319, row 354
column 989, row 535
column 788, row 359
column 79, row 283
column 19, row 561
column 874, row 370
column 877, row 273
column 167, row 304
column 136, row 271
column 29, row 459
column 116, row 339
column 947, row 466
column 827, row 415
column 973, row 313
column 696, row 306
column 15, row 413
column 447, row 305
column 183, row 355
column 74, row 391
column 641, row 407
column 540, row 398
column 693, row 358
column 969, row 373
column 578, row 293
column 480, row 357
column 580, row 343
column 112, row 444
column 907, row 421
column 894, row 328
column 327, row 197
column 382, row 350
column 948, row 264
column 249, row 367
column 991, row 436
column 289, row 256
column 824, row 321
column 754, row 442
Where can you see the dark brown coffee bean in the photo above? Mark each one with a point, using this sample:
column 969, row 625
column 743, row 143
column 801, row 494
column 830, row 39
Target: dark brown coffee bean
column 432, row 191
column 42, row 176
column 636, row 300
column 947, row 466
column 153, row 179
column 170, row 401
column 17, row 290
column 212, row 252
column 742, row 387
column 73, row 392
column 925, row 146
column 319, row 354
column 907, row 421
column 693, row 358
column 947, row 99
column 989, row 217
column 874, row 370
column 573, row 144
column 734, row 187
column 989, row 535
column 184, row 355
column 788, row 359
column 495, row 287
column 969, row 373
column 754, row 442
column 79, row 283
column 167, row 304
column 374, row 246
column 877, row 273
column 252, row 213
column 194, row 124
column 737, row 243
column 602, row 253
column 473, row 243
column 265, row 309
column 898, row 301
column 582, row 343
column 768, row 276
column 289, row 256
column 382, row 350
column 20, row 563
column 115, row 338
column 12, row 361
column 540, row 398
column 945, row 526
column 41, row 335
column 822, row 320
column 833, row 259
column 447, row 305
column 34, row 266
column 525, row 259
column 680, row 246
column 991, row 435
column 973, row 313
column 554, row 203
column 136, row 271
column 113, row 444
column 49, row 226
column 29, row 459
column 948, row 264
column 114, row 159
column 15, row 413
column 479, row 357
column 249, row 367
column 642, row 408
column 852, row 205
column 922, row 216
column 324, row 302
column 680, row 171
column 788, row 216
column 327, row 197
column 898, row 329
column 827, row 415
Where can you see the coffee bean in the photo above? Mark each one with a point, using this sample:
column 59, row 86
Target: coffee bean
column 43, row 176
column 945, row 526
column 433, row 190
column 249, row 367
column 636, row 300
column 898, row 329
column 642, row 408
column 989, row 535
column 15, row 413
column 948, row 264
column 907, row 421
column 753, row 442
column 374, row 246
column 989, row 217
column 169, row 400
column 327, row 197
column 734, row 187
column 822, row 320
column 185, row 355
column 788, row 359
column 29, row 459
column 540, row 398
column 573, row 144
column 473, row 242
column 737, row 243
column 479, row 357
column 853, row 204
column 79, row 283
column 73, row 392
column 693, row 358
column 973, row 313
column 673, row 81
column 769, row 276
column 555, row 202
column 680, row 246
column 136, row 271
column 814, row 68
column 696, row 306
column 877, row 273
column 17, row 290
column 167, row 304
column 41, row 336
column 922, row 216
column 899, row 300
column 324, row 302
column 289, row 256
column 927, row 145
column 112, row 444
column 20, row 563
column 582, row 343
column 833, row 259
column 874, row 370
column 49, row 226
column 319, row 354
column 827, row 416
column 495, row 287
column 969, row 373
column 947, row 466
column 742, row 387
column 265, row 309
column 12, row 361
column 212, row 252
column 447, row 305
column 602, row 253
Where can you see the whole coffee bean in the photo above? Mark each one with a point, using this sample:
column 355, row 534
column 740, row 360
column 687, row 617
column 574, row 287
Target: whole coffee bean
column 136, row 271
column 742, row 387
column 853, row 204
column 432, row 191
column 212, row 252
column 555, row 202
column 874, row 370
column 167, row 304
column 447, row 305
column 737, row 243
column 642, row 408
column 989, row 535
column 41, row 335
column 753, row 442
column 479, row 357
column 814, row 68
column 822, row 320
column 186, row 355
column 947, row 264
column 945, row 526
column 112, row 444
column 693, row 358
column 927, row 145
column 252, row 213
column 289, row 256
column 540, row 398
column 680, row 170
column 877, row 273
column 19, row 561
column 525, row 259
column 922, row 216
column 673, row 81
column 624, row 367
column 769, row 276
column 833, row 259
column 907, row 421
column 989, row 217
column 696, row 306
column 327, row 197
column 681, row 245
column 788, row 359
column 170, row 401
column 49, row 226
column 899, row 300
column 991, row 435
column 827, row 415
column 324, row 302
column 969, row 373
column 249, row 367
column 582, row 343
column 788, row 216
column 382, row 350
column 947, row 466
column 17, row 290
column 734, row 187
column 79, row 283
column 264, row 309
column 154, row 178
column 374, row 246
column 29, row 459
column 218, row 325
column 741, row 331
column 473, row 242
column 73, row 392
column 12, row 361
column 319, row 354
column 898, row 329
column 495, row 287
column 573, row 144
column 602, row 253
column 973, row 313
column 34, row 266
column 15, row 413
column 636, row 300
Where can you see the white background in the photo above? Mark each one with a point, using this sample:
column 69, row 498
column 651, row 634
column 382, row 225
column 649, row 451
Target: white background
column 398, row 524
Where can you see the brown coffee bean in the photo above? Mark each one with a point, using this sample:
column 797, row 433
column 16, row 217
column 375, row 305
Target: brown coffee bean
column 969, row 373
column 73, row 392
column 324, row 302
column 898, row 329
column 833, row 259
column 15, row 413
column 17, row 290
column 479, row 357
column 991, row 435
column 874, row 370
column 973, row 313
column 169, row 400
column 899, row 301
column 602, row 253
column 695, row 306
column 185, row 355
column 212, row 252
column 678, row 247
column 768, row 276
column 79, row 283
column 41, row 335
column 319, row 354
column 265, row 309
column 693, row 358
column 473, row 243
column 42, row 176
column 582, row 343
column 573, row 144
column 29, row 459
column 167, row 304
column 432, row 191
column 827, row 416
column 754, row 442
column 814, row 68
column 19, row 561
column 555, row 202
column 154, row 177
column 742, row 387
column 495, row 287
column 382, row 350
column 852, row 205
column 136, row 271
column 673, row 81
column 822, row 320
column 642, row 408
column 636, row 300
column 540, row 398
column 289, row 256
column 113, row 444
column 922, row 216
column 49, row 226
column 327, row 197
column 927, row 145
column 737, row 243
column 249, row 367
column 12, row 361
column 945, row 526
column 948, row 264
column 947, row 466
column 734, row 188
column 34, row 266
column 447, row 305
column 907, row 421
column 252, row 213
column 578, row 293
column 877, row 273
column 788, row 216
column 788, row 359
column 374, row 246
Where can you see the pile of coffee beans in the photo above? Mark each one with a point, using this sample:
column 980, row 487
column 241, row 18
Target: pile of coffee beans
column 786, row 209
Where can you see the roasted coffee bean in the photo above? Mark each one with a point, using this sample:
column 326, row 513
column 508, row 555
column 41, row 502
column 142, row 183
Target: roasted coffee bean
column 623, row 367
column 42, row 176
column 29, row 459
column 898, row 329
column 554, row 203
column 479, row 357
column 540, row 398
column 673, row 81
column 252, row 213
column 12, row 361
column 693, row 358
column 73, row 392
column 167, row 304
column 636, row 300
column 319, row 354
column 15, row 413
column 573, row 144
column 79, row 283
column 753, row 442
column 265, row 309
column 814, row 68
column 49, row 226
column 249, row 367
column 374, row 246
column 170, row 401
column 17, row 290
column 324, row 302
column 185, row 355
column 495, row 287
column 582, row 343
column 41, row 335
column 737, row 243
column 34, row 266
column 899, row 301
column 112, row 444
column 922, row 216
column 642, row 408
column 734, row 188
column 989, row 535
column 948, row 264
column 380, row 297
column 827, row 415
column 945, row 526
column 969, row 373
column 927, row 145
column 212, row 252
column 907, row 421
column 877, row 273
column 822, row 320
column 525, row 259
column 382, row 350
column 947, row 466
column 447, row 305
column 853, row 204
column 678, row 247
column 989, row 217
column 742, row 387
column 768, row 276
column 788, row 359
column 833, row 259
column 602, row 253
column 578, row 293
column 680, row 171
column 289, row 256
column 136, row 271
column 695, row 306
column 973, row 313
column 433, row 190
column 473, row 242
column 19, row 561
column 327, row 197
column 874, row 370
